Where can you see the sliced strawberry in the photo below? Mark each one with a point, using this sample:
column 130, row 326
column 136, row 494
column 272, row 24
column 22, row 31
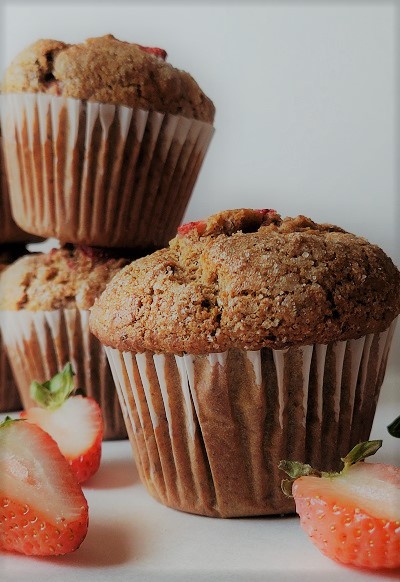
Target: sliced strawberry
column 43, row 511
column 152, row 50
column 74, row 422
column 352, row 516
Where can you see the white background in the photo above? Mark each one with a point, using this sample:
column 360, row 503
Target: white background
column 307, row 98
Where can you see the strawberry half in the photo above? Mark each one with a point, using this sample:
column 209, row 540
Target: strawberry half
column 43, row 511
column 74, row 422
column 352, row 516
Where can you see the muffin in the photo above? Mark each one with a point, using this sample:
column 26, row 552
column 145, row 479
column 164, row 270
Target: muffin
column 250, row 339
column 9, row 396
column 45, row 301
column 104, row 142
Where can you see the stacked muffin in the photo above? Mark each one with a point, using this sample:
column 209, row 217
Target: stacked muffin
column 103, row 142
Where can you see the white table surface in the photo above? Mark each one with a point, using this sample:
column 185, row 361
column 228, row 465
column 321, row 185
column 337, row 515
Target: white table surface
column 132, row 537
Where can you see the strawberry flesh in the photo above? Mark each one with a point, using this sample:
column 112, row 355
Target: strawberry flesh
column 42, row 508
column 353, row 517
column 77, row 427
column 26, row 531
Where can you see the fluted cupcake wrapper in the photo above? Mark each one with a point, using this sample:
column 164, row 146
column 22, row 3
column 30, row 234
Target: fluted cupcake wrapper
column 40, row 343
column 9, row 231
column 208, row 431
column 9, row 396
column 99, row 174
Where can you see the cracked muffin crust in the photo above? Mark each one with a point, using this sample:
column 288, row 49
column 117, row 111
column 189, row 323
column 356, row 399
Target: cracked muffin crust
column 249, row 279
column 108, row 70
column 70, row 277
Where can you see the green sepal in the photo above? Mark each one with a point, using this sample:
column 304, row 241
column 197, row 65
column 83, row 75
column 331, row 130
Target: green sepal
column 286, row 486
column 53, row 393
column 8, row 420
column 294, row 469
column 394, row 428
column 360, row 452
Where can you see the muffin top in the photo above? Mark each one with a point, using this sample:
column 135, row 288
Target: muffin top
column 108, row 70
column 63, row 278
column 249, row 279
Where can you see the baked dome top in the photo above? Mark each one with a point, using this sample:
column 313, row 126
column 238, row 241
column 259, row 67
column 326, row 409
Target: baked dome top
column 63, row 278
column 108, row 70
column 249, row 279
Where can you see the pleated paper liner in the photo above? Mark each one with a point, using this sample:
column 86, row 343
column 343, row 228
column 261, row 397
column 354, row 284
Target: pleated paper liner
column 98, row 174
column 9, row 395
column 208, row 431
column 40, row 343
column 9, row 231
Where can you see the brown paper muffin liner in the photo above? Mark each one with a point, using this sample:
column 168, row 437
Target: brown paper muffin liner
column 208, row 431
column 9, row 396
column 9, row 231
column 40, row 343
column 98, row 174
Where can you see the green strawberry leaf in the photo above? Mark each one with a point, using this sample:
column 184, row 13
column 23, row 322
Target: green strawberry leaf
column 53, row 393
column 394, row 428
column 360, row 452
column 294, row 469
column 8, row 420
column 286, row 486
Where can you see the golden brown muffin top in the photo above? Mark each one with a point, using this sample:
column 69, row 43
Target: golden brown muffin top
column 63, row 278
column 108, row 70
column 249, row 279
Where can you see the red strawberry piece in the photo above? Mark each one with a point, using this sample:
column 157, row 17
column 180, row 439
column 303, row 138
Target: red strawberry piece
column 157, row 52
column 353, row 516
column 74, row 422
column 43, row 511
column 199, row 225
column 93, row 253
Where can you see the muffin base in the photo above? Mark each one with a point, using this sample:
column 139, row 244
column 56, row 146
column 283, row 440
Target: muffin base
column 98, row 174
column 9, row 231
column 40, row 343
column 208, row 431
